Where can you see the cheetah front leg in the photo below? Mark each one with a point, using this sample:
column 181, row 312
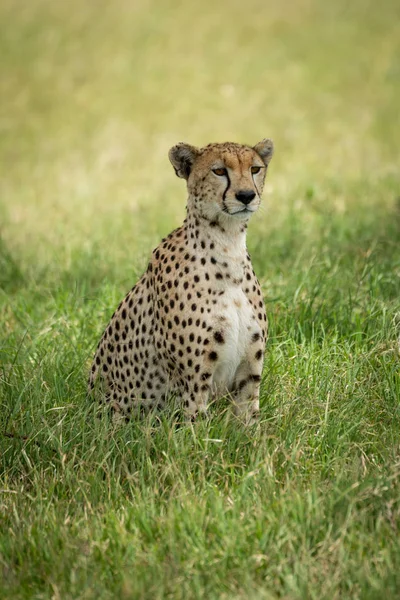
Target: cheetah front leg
column 197, row 391
column 246, row 391
column 195, row 403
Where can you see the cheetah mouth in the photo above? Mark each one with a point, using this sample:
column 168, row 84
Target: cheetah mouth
column 243, row 211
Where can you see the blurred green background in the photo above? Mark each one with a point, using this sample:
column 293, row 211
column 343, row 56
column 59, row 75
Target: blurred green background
column 93, row 94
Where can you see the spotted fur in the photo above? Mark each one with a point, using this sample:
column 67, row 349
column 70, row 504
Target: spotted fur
column 194, row 327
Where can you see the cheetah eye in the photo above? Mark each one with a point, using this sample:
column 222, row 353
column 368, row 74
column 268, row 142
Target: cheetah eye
column 255, row 170
column 221, row 172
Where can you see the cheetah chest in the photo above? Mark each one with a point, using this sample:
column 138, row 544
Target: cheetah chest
column 239, row 325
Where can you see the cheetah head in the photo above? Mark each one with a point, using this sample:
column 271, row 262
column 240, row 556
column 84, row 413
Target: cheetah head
column 225, row 181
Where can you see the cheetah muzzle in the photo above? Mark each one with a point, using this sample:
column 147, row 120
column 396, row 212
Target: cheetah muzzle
column 194, row 327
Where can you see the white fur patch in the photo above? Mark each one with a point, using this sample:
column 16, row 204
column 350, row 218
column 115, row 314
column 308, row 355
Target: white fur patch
column 239, row 325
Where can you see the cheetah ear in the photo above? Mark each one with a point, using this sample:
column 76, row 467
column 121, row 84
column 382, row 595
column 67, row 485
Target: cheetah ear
column 265, row 149
column 182, row 157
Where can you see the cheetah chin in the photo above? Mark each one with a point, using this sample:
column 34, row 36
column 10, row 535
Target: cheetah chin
column 194, row 327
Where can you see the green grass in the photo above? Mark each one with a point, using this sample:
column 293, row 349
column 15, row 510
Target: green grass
column 307, row 504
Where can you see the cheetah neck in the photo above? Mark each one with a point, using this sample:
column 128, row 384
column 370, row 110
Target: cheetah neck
column 224, row 238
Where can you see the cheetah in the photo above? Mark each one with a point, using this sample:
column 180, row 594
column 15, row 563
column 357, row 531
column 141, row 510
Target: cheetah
column 194, row 327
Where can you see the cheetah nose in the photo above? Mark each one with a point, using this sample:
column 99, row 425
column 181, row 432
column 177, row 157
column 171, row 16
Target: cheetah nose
column 245, row 196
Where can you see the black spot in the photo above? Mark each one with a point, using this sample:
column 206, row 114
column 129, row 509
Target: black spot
column 218, row 337
column 254, row 378
column 241, row 385
column 213, row 355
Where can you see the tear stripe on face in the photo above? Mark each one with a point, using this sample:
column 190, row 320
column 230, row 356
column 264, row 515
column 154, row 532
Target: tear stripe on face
column 227, row 187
